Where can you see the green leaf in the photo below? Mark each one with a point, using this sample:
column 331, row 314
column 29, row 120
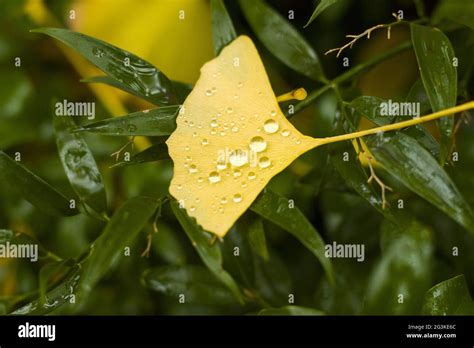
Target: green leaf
column 410, row 163
column 282, row 39
column 459, row 11
column 55, row 298
column 223, row 31
column 196, row 283
column 418, row 94
column 210, row 254
column 181, row 89
column 79, row 165
column 323, row 5
column 403, row 270
column 130, row 71
column 450, row 297
column 32, row 188
column 369, row 107
column 276, row 209
column 257, row 240
column 154, row 122
column 120, row 231
column 49, row 272
column 156, row 152
column 290, row 310
column 435, row 59
column 168, row 246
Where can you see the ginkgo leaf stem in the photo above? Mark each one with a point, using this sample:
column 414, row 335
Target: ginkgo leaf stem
column 296, row 94
column 395, row 126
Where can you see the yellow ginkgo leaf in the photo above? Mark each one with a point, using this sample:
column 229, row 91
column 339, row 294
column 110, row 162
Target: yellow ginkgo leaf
column 232, row 138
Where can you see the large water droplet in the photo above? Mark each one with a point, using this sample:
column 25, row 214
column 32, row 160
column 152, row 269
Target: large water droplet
column 252, row 175
column 237, row 198
column 270, row 126
column 214, row 177
column 258, row 144
column 264, row 162
column 238, row 158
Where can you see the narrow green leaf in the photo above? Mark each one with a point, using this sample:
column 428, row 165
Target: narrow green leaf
column 57, row 269
column 410, row 163
column 120, row 231
column 210, row 254
column 196, row 283
column 450, row 297
column 282, row 39
column 126, row 68
column 257, row 240
column 79, row 165
column 323, row 5
column 223, row 31
column 290, row 310
column 435, row 59
column 403, row 270
column 181, row 89
column 55, row 298
column 32, row 188
column 156, row 152
column 276, row 209
column 154, row 122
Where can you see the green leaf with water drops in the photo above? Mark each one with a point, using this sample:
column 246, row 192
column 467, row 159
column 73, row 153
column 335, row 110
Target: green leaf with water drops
column 323, row 5
column 410, row 163
column 60, row 295
column 291, row 310
column 290, row 47
column 50, row 273
column 439, row 75
column 119, row 233
column 154, row 122
column 450, row 297
column 156, row 152
column 223, row 31
column 256, row 237
column 32, row 188
column 278, row 210
column 403, row 273
column 79, row 165
column 210, row 254
column 130, row 71
column 196, row 283
column 181, row 89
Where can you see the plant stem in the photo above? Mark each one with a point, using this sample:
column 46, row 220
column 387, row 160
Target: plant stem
column 351, row 73
column 395, row 126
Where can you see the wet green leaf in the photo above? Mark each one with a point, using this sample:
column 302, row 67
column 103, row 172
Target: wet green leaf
column 120, row 231
column 276, row 209
column 79, row 165
column 210, row 254
column 410, row 163
column 154, row 122
column 257, row 240
column 290, row 310
column 399, row 280
column 196, row 283
column 156, row 152
column 126, row 68
column 435, row 59
column 32, row 188
column 282, row 39
column 55, row 298
column 223, row 31
column 450, row 297
column 323, row 5
column 417, row 94
column 49, row 273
